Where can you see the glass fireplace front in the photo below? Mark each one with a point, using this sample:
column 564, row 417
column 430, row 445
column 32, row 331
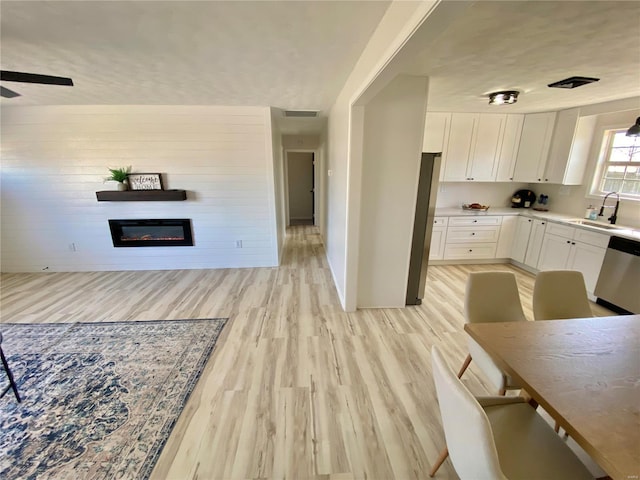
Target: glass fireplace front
column 151, row 233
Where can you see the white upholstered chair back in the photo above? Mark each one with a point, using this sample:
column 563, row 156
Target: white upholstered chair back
column 560, row 294
column 466, row 426
column 491, row 297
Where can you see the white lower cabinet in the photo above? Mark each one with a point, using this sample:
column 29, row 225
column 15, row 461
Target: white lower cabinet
column 587, row 259
column 472, row 237
column 469, row 251
column 507, row 234
column 569, row 248
column 527, row 241
column 521, row 239
column 535, row 243
column 438, row 236
column 555, row 252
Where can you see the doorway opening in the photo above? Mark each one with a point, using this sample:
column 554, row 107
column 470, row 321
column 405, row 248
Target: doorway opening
column 300, row 173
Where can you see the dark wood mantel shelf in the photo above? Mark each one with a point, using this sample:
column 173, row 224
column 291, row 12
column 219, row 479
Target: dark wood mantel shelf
column 142, row 196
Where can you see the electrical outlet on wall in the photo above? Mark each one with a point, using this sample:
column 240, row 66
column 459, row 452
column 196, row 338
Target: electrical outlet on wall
column 564, row 191
column 238, row 243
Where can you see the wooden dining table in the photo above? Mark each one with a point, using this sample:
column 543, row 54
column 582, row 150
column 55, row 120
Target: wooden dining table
column 585, row 373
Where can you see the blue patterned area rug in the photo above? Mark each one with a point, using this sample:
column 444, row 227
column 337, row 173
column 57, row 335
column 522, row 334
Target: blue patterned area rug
column 99, row 400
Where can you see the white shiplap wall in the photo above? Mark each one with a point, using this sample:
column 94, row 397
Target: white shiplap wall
column 54, row 158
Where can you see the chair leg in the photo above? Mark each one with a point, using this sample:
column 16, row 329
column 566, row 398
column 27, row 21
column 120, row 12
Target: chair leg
column 465, row 365
column 443, row 456
column 12, row 383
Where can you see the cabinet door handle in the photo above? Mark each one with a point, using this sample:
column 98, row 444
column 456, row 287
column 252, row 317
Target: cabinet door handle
column 473, row 233
column 568, row 241
column 573, row 243
column 529, row 221
column 541, row 223
column 470, row 250
column 475, row 221
column 539, row 179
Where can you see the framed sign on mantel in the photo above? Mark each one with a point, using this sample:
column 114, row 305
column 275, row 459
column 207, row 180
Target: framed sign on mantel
column 145, row 181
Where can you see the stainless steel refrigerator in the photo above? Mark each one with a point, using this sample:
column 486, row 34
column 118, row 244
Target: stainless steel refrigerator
column 422, row 226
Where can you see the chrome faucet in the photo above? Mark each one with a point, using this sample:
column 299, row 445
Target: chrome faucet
column 613, row 217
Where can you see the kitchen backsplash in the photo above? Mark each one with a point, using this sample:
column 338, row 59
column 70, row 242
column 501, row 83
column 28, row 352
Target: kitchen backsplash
column 570, row 200
column 454, row 194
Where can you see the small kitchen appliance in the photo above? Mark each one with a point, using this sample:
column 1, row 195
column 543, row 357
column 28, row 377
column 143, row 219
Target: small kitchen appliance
column 523, row 199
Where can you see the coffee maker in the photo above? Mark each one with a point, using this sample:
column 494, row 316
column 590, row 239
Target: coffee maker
column 523, row 199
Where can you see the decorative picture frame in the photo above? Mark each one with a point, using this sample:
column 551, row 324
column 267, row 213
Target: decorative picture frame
column 145, row 181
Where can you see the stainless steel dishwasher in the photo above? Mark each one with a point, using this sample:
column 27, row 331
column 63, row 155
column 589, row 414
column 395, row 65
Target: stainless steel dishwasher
column 618, row 286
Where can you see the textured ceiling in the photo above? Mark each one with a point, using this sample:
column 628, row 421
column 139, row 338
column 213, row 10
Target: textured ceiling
column 292, row 55
column 297, row 54
column 525, row 46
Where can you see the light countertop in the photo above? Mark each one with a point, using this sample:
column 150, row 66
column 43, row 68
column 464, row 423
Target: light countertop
column 562, row 218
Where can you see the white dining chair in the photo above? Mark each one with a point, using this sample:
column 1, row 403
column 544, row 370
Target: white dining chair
column 491, row 297
column 560, row 294
column 498, row 438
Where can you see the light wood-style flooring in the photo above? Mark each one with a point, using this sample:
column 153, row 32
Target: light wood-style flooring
column 296, row 388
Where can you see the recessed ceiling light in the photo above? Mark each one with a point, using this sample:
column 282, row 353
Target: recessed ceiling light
column 503, row 98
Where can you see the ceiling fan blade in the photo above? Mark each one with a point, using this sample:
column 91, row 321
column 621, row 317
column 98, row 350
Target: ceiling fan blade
column 8, row 76
column 6, row 93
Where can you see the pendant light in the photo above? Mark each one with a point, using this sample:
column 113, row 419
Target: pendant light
column 634, row 130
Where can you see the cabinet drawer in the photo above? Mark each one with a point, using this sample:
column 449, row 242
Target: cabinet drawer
column 463, row 251
column 440, row 221
column 591, row 238
column 560, row 230
column 475, row 220
column 475, row 234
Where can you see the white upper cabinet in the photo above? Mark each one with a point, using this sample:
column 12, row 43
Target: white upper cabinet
column 509, row 147
column 485, row 150
column 456, row 154
column 473, row 146
column 570, row 145
column 436, row 131
column 533, row 150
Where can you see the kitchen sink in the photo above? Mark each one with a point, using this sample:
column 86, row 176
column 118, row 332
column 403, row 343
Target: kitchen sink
column 604, row 226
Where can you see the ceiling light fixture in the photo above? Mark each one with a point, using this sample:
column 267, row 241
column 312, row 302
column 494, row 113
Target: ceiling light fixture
column 634, row 130
column 502, row 98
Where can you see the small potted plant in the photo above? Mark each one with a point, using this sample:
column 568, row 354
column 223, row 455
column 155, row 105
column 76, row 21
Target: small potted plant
column 119, row 175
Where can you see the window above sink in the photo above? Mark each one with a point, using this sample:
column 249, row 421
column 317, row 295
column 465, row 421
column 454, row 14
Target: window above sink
column 618, row 166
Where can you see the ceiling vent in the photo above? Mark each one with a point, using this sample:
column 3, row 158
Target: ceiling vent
column 301, row 113
column 573, row 82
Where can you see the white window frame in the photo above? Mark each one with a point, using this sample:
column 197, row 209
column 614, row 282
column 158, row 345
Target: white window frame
column 603, row 164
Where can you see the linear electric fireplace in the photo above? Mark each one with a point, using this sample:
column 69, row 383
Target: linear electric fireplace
column 151, row 233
